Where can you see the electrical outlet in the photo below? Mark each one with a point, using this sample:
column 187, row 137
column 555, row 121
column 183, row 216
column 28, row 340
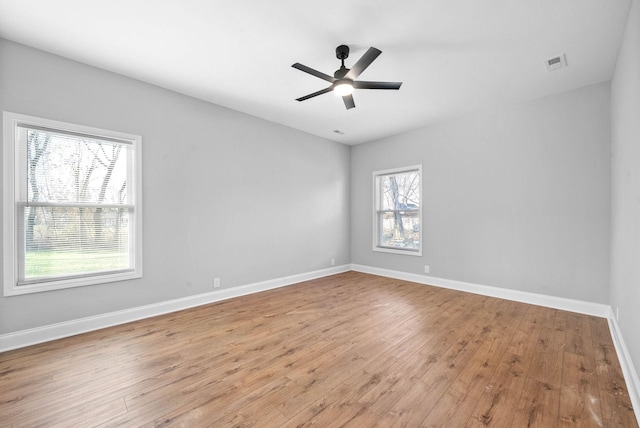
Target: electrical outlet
column 216, row 282
column 333, row 262
column 426, row 269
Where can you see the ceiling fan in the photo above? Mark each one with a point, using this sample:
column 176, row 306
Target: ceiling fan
column 344, row 80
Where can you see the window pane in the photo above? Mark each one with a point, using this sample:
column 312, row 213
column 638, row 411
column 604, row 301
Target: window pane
column 62, row 241
column 400, row 191
column 400, row 229
column 66, row 168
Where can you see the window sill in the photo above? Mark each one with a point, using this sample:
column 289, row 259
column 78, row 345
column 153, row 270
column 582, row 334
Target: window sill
column 51, row 285
column 398, row 251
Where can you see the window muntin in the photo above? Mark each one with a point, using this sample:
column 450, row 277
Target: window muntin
column 398, row 211
column 76, row 206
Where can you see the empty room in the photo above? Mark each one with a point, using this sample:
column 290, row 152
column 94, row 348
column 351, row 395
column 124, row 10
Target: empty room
column 285, row 213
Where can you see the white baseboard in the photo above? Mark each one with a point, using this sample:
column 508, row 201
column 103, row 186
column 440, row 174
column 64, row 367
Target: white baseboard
column 628, row 369
column 587, row 308
column 33, row 336
column 571, row 305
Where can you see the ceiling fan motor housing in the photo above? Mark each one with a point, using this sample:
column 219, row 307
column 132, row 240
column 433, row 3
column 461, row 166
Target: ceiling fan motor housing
column 341, row 72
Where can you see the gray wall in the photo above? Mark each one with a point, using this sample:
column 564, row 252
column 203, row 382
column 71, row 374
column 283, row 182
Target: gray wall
column 517, row 197
column 625, row 186
column 225, row 194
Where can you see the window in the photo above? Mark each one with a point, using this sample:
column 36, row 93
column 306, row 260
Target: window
column 397, row 211
column 72, row 207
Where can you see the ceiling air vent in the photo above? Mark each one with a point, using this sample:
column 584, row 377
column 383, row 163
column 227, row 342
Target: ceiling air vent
column 556, row 62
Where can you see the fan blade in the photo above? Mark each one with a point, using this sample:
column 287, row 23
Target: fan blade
column 315, row 94
column 364, row 62
column 348, row 101
column 376, row 85
column 313, row 72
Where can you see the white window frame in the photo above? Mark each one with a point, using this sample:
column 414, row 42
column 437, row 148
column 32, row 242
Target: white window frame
column 377, row 232
column 10, row 190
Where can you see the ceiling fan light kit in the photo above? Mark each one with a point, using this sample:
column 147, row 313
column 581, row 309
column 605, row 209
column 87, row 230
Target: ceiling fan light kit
column 343, row 87
column 344, row 80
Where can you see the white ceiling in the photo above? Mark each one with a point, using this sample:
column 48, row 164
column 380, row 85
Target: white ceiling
column 453, row 56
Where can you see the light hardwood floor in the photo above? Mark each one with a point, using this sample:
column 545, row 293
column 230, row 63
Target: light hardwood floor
column 346, row 350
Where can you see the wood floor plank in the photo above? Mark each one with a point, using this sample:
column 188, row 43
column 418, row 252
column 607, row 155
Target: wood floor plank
column 452, row 410
column 343, row 409
column 547, row 357
column 412, row 408
column 538, row 405
column 351, row 349
column 496, row 405
column 477, row 373
column 579, row 394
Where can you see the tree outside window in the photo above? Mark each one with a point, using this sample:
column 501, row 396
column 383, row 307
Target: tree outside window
column 77, row 212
